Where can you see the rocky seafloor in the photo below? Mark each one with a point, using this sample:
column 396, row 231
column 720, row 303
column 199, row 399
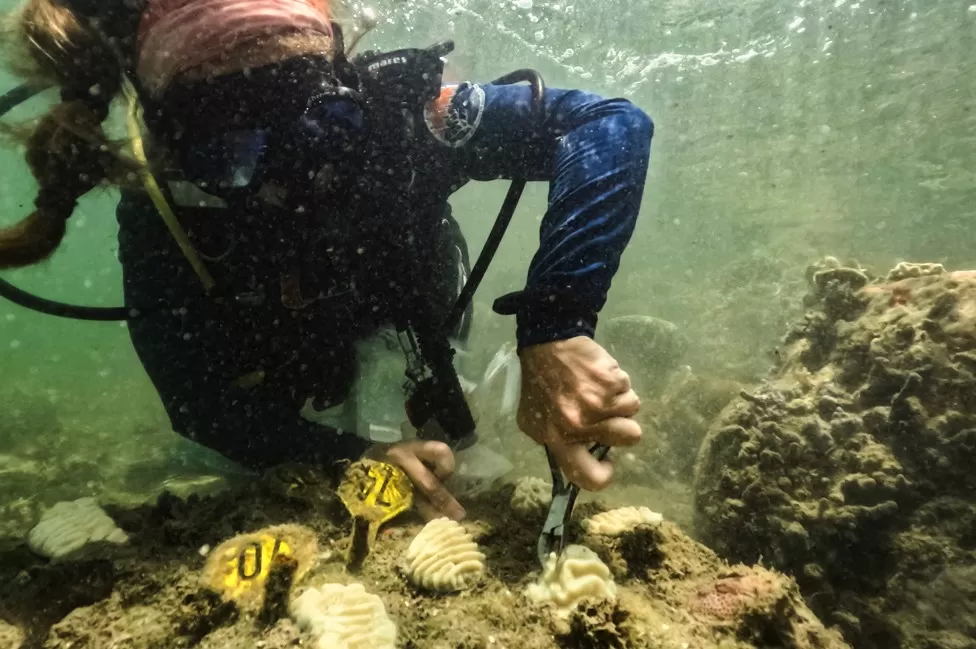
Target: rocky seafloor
column 849, row 471
column 47, row 456
column 852, row 467
column 671, row 592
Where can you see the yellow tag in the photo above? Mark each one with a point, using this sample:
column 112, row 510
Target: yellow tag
column 253, row 563
column 375, row 492
column 247, row 565
column 239, row 567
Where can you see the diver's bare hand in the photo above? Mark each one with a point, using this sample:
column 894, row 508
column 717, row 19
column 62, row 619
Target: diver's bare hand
column 428, row 465
column 574, row 394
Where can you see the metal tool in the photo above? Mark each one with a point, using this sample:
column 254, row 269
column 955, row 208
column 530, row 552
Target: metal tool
column 564, row 493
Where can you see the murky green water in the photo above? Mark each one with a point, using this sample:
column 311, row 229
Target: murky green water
column 786, row 131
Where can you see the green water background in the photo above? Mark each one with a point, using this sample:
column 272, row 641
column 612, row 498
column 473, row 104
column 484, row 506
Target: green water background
column 786, row 130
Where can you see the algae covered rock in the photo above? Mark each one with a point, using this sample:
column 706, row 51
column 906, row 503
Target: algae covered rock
column 531, row 497
column 851, row 467
column 647, row 348
column 10, row 636
column 679, row 418
column 738, row 307
column 688, row 593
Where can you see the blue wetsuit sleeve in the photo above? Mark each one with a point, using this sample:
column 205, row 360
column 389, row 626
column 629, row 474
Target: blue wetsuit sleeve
column 594, row 152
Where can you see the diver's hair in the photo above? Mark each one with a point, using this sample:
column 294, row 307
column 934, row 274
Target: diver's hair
column 68, row 151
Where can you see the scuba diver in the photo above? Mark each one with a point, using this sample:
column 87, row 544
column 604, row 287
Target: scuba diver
column 304, row 204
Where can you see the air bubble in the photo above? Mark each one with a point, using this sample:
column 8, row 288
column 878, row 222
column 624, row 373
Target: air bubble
column 14, row 344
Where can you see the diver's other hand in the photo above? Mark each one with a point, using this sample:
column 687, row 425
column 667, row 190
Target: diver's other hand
column 428, row 465
column 574, row 394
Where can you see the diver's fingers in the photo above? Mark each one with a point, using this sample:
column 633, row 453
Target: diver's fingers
column 580, row 467
column 619, row 380
column 427, row 511
column 612, row 431
column 437, row 456
column 429, row 486
column 623, row 404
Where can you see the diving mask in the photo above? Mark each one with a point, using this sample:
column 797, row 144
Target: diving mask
column 277, row 126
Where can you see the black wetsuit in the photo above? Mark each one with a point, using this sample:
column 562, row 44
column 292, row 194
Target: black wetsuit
column 234, row 370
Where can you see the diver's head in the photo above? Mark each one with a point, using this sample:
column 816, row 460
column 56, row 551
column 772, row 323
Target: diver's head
column 84, row 46
column 217, row 37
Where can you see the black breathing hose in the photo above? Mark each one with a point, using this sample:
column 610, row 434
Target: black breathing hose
column 19, row 95
column 73, row 311
column 507, row 211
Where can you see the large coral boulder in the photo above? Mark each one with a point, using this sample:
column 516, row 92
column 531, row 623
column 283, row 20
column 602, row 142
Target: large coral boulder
column 852, row 468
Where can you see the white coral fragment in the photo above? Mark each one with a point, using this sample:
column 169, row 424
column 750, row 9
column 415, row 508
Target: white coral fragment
column 906, row 269
column 70, row 526
column 344, row 617
column 577, row 575
column 619, row 521
column 444, row 558
column 531, row 496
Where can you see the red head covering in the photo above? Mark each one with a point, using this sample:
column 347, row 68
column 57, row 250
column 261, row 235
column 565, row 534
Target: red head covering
column 176, row 35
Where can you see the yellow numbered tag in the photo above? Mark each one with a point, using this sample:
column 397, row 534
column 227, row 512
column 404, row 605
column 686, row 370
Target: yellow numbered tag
column 239, row 567
column 374, row 492
column 248, row 566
